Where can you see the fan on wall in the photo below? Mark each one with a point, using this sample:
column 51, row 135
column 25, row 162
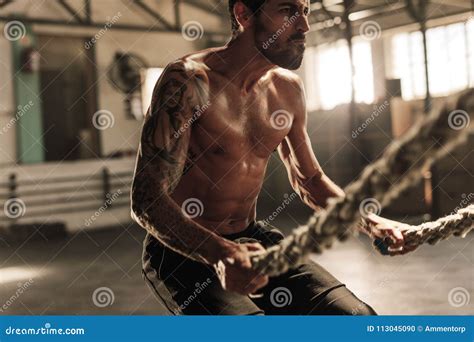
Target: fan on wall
column 124, row 74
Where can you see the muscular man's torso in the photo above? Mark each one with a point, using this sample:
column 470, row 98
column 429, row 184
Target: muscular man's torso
column 230, row 146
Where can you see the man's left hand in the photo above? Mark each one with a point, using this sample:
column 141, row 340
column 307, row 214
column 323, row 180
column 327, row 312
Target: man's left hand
column 391, row 232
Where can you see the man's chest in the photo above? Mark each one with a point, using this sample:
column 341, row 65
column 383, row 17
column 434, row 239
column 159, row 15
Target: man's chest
column 256, row 123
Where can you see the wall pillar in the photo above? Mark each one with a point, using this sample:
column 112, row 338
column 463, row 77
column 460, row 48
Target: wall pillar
column 28, row 114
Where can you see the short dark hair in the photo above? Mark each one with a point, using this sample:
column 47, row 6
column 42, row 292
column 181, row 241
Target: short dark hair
column 253, row 5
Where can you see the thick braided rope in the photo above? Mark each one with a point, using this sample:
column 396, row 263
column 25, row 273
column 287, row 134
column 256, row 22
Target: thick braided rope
column 399, row 168
column 458, row 224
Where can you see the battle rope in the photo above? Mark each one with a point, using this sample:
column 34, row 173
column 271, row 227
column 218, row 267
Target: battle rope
column 384, row 180
column 457, row 224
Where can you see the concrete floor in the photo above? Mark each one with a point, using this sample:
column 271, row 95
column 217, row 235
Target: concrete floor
column 65, row 273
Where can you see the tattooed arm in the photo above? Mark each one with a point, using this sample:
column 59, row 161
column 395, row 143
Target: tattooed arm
column 162, row 157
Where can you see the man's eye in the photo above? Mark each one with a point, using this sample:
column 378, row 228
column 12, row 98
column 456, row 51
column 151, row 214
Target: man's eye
column 285, row 10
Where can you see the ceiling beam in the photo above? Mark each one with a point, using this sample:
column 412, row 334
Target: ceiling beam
column 3, row 3
column 376, row 11
column 177, row 13
column 126, row 27
column 70, row 10
column 154, row 14
column 88, row 9
column 453, row 3
column 203, row 7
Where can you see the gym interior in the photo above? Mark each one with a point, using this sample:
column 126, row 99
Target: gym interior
column 76, row 79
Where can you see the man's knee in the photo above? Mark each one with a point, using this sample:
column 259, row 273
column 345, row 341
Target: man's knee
column 363, row 309
column 341, row 301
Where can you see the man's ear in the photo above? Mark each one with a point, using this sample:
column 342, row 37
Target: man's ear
column 243, row 14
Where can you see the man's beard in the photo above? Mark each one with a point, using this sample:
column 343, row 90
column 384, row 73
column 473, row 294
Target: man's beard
column 287, row 54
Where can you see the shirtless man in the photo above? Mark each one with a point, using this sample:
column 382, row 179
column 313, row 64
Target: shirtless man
column 215, row 118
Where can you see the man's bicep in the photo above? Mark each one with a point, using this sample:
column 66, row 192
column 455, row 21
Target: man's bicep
column 299, row 149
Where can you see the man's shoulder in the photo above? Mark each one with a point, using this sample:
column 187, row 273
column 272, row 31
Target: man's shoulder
column 288, row 83
column 290, row 88
column 185, row 67
column 190, row 65
column 287, row 79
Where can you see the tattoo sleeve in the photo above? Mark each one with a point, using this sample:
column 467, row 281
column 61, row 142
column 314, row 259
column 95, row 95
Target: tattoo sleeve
column 162, row 159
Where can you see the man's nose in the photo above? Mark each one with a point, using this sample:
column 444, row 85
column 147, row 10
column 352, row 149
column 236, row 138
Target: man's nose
column 302, row 24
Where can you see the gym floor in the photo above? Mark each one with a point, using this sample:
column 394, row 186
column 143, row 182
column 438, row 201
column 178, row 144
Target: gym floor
column 67, row 271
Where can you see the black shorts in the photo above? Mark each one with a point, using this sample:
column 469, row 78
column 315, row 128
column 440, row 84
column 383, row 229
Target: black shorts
column 188, row 287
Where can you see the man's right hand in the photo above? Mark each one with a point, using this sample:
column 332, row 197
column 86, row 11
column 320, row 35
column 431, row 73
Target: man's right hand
column 235, row 271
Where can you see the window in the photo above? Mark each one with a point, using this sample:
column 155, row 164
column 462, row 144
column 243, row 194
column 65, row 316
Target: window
column 149, row 76
column 450, row 60
column 328, row 71
column 470, row 38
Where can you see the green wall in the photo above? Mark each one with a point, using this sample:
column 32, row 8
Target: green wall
column 26, row 85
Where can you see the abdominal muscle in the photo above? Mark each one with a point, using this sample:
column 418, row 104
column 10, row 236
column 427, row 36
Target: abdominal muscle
column 221, row 196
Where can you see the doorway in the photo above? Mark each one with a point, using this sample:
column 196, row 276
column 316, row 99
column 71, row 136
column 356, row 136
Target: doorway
column 69, row 98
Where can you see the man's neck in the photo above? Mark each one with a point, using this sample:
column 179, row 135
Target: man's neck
column 242, row 63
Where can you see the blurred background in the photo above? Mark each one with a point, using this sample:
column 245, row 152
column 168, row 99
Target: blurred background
column 76, row 77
